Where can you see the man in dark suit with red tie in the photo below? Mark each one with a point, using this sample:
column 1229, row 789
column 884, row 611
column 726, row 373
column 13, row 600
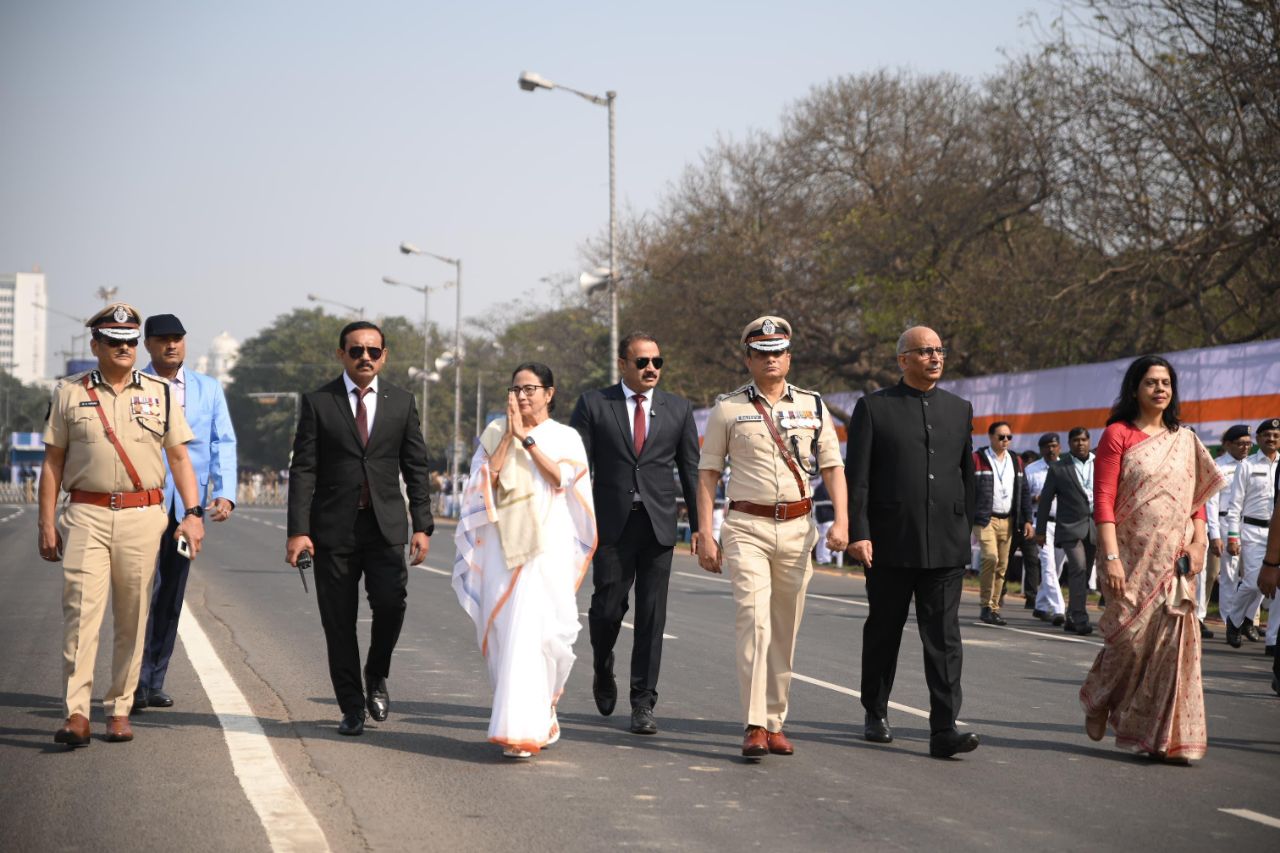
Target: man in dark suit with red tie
column 635, row 436
column 355, row 439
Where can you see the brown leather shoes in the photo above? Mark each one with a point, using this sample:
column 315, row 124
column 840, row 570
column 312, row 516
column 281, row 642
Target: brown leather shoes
column 119, row 730
column 1096, row 726
column 74, row 732
column 778, row 743
column 755, row 743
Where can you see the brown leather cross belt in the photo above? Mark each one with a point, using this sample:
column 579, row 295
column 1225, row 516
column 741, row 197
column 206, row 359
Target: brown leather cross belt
column 118, row 500
column 784, row 511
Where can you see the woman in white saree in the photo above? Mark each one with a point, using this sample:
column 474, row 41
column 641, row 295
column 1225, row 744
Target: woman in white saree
column 524, row 541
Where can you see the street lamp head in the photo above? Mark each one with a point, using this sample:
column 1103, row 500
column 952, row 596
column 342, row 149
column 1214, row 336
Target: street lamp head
column 530, row 81
column 386, row 279
column 409, row 249
column 311, row 297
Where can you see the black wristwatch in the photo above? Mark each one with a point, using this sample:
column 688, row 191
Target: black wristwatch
column 197, row 511
column 528, row 442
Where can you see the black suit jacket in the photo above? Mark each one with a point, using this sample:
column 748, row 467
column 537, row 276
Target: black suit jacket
column 618, row 474
column 909, row 466
column 1072, row 519
column 329, row 465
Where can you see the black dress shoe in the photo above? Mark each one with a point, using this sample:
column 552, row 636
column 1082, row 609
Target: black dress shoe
column 1249, row 632
column 159, row 699
column 1205, row 633
column 984, row 615
column 376, row 698
column 1058, row 619
column 1269, row 651
column 1042, row 615
column 1030, row 603
column 1084, row 629
column 1233, row 635
column 605, row 689
column 139, row 701
column 876, row 729
column 642, row 722
column 951, row 742
column 352, row 724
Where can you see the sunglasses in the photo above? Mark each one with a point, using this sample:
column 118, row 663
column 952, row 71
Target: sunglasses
column 355, row 353
column 114, row 342
column 644, row 361
column 1004, row 438
column 526, row 390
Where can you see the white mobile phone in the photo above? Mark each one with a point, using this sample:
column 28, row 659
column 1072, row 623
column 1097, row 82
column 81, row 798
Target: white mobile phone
column 184, row 547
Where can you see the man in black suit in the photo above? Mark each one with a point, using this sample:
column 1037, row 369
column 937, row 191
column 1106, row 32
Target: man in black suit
column 635, row 434
column 911, row 493
column 355, row 438
column 1070, row 480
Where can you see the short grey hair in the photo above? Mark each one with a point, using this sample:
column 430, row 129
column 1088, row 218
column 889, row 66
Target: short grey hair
column 902, row 341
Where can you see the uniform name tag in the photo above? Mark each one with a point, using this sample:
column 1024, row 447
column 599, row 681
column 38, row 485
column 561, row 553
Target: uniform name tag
column 742, row 418
column 89, row 404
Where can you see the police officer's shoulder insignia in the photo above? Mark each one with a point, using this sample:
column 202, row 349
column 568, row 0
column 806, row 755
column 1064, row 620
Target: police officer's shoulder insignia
column 745, row 389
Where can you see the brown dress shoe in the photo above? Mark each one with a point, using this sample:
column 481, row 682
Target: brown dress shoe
column 1096, row 726
column 74, row 732
column 119, row 730
column 755, row 743
column 778, row 743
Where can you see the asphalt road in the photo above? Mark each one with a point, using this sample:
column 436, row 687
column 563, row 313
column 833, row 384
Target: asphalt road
column 427, row 780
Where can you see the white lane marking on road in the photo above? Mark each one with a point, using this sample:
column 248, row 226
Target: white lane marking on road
column 1256, row 817
column 288, row 822
column 848, row 691
column 17, row 512
column 1039, row 634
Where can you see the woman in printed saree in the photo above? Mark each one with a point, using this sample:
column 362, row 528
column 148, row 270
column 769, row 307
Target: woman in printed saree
column 524, row 540
column 1151, row 479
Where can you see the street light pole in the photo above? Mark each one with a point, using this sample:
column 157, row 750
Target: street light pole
column 410, row 249
column 530, row 82
column 425, row 290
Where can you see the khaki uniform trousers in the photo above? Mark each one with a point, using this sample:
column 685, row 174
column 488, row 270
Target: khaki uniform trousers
column 769, row 566
column 994, row 541
column 105, row 551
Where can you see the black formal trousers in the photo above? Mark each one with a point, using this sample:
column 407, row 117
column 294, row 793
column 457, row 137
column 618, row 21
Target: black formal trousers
column 1030, row 567
column 166, row 606
column 386, row 580
column 638, row 559
column 1080, row 555
column 937, row 596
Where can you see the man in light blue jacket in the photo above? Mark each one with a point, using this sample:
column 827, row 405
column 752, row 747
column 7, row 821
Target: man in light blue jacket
column 213, row 455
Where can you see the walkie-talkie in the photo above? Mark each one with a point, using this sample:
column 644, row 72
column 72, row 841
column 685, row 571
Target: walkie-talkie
column 304, row 566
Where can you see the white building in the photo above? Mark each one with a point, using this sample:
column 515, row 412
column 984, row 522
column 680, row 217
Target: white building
column 222, row 356
column 23, row 326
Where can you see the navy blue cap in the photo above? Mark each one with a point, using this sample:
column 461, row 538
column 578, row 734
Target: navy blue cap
column 1269, row 423
column 161, row 325
column 1049, row 438
column 1235, row 432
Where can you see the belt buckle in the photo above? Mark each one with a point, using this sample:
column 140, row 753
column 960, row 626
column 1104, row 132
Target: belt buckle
column 780, row 511
column 115, row 500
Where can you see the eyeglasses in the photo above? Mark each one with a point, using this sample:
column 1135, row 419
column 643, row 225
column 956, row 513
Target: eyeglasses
column 116, row 342
column 927, row 352
column 375, row 353
column 644, row 361
column 526, row 390
column 1004, row 438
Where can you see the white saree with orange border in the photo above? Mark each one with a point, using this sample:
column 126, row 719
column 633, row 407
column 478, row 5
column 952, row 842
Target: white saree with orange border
column 526, row 614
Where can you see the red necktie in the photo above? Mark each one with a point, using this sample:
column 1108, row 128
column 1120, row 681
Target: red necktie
column 637, row 430
column 362, row 414
column 362, row 427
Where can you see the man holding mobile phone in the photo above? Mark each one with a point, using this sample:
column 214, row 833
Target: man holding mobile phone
column 106, row 435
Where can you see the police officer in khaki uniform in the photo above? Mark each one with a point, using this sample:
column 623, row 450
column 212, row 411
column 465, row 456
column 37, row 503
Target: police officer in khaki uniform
column 776, row 436
column 105, row 432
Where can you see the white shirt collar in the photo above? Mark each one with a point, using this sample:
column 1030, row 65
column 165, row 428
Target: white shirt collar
column 627, row 393
column 351, row 386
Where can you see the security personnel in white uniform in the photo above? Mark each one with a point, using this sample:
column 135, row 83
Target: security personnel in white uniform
column 1248, row 519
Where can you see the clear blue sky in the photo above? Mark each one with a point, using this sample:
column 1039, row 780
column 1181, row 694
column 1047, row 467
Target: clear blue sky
column 221, row 160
